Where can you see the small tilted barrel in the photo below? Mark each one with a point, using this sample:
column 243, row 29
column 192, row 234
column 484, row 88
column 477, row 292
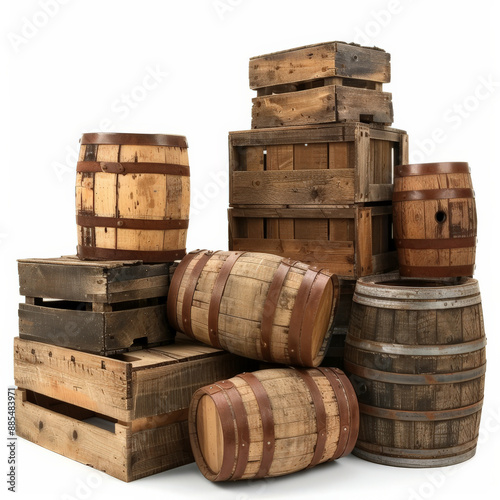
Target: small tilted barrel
column 435, row 224
column 415, row 354
column 132, row 197
column 272, row 422
column 256, row 305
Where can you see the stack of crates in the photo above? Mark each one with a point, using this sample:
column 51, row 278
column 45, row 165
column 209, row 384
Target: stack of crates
column 313, row 179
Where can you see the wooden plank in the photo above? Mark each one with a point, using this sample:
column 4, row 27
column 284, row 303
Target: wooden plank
column 297, row 187
column 71, row 438
column 280, row 157
column 291, row 213
column 311, row 229
column 319, row 61
column 363, row 105
column 364, row 250
column 310, row 156
column 362, row 162
column 341, row 155
column 86, row 380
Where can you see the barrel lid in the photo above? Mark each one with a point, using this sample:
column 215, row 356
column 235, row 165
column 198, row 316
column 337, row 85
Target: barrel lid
column 454, row 167
column 112, row 138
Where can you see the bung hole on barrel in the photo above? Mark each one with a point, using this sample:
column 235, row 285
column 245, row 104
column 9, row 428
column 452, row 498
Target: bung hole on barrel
column 440, row 217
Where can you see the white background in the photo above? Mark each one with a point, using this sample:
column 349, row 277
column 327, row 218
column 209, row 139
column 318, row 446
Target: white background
column 66, row 73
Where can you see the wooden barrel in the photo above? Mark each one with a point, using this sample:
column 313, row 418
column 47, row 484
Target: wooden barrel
column 272, row 422
column 256, row 305
column 132, row 197
column 416, row 356
column 435, row 224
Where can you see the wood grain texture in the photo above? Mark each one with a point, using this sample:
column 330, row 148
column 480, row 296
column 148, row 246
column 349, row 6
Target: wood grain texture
column 331, row 103
column 319, row 61
column 243, row 305
column 120, row 451
column 102, row 308
column 416, row 354
column 294, row 423
column 329, row 164
column 133, row 385
column 435, row 236
column 351, row 241
column 147, row 196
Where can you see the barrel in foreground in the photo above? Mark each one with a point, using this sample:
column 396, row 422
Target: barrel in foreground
column 272, row 422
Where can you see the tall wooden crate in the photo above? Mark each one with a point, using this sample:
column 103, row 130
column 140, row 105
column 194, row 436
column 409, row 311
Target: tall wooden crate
column 125, row 415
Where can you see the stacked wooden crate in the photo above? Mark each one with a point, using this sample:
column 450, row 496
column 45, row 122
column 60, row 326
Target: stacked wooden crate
column 313, row 179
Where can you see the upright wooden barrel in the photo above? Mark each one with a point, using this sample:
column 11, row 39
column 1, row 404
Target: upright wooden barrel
column 272, row 422
column 435, row 224
column 416, row 356
column 257, row 305
column 132, row 197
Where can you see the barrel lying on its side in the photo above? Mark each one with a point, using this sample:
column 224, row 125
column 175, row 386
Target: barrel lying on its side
column 256, row 305
column 416, row 356
column 272, row 422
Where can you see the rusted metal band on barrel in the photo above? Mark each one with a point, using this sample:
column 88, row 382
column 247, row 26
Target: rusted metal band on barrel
column 416, row 350
column 414, row 378
column 124, row 168
column 436, row 271
column 178, row 141
column 295, row 340
column 436, row 244
column 431, row 169
column 306, row 338
column 320, row 412
column 187, row 300
column 420, row 416
column 241, row 420
column 98, row 253
column 219, row 397
column 216, row 297
column 270, row 305
column 348, row 410
column 266, row 414
column 120, row 223
column 173, row 291
column 432, row 194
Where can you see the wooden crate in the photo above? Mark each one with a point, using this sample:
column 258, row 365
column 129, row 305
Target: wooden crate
column 350, row 241
column 99, row 307
column 315, row 166
column 329, row 82
column 126, row 415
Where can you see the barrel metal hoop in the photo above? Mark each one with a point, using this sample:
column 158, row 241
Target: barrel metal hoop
column 122, row 223
column 418, row 169
column 267, row 418
column 420, row 416
column 432, row 194
column 216, row 297
column 173, row 291
column 320, row 412
column 150, row 256
column 414, row 379
column 112, row 139
column 124, row 168
column 436, row 243
column 416, row 350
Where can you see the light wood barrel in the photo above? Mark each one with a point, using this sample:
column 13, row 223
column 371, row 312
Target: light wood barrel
column 257, row 305
column 416, row 356
column 435, row 224
column 132, row 197
column 272, row 422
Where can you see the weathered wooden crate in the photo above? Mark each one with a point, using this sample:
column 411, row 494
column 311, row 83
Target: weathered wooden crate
column 331, row 164
column 321, row 83
column 350, row 241
column 99, row 307
column 127, row 415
